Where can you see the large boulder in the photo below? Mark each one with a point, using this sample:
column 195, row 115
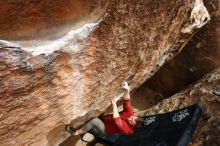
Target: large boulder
column 61, row 59
column 200, row 56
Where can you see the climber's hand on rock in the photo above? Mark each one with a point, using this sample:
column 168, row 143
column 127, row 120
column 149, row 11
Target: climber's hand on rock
column 125, row 86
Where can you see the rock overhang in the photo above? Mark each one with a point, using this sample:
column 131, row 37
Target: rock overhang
column 35, row 24
column 133, row 39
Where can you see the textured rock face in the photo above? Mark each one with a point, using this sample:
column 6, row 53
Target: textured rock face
column 208, row 131
column 46, row 82
column 199, row 57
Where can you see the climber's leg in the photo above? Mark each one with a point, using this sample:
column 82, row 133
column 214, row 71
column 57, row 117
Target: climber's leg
column 95, row 123
column 104, row 137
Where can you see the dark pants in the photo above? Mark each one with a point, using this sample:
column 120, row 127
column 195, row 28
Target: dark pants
column 104, row 137
column 97, row 128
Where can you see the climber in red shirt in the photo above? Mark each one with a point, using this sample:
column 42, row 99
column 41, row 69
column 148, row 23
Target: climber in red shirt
column 123, row 122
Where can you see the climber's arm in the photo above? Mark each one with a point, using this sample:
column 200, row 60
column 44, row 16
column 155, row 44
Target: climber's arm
column 115, row 109
column 126, row 103
column 127, row 106
column 126, row 95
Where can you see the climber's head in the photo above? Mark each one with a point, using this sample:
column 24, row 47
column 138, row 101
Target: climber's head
column 135, row 121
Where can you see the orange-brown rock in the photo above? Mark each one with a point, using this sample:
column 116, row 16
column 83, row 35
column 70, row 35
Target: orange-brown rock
column 36, row 19
column 200, row 56
column 65, row 65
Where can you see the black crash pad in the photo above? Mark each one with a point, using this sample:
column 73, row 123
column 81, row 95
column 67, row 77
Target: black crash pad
column 174, row 128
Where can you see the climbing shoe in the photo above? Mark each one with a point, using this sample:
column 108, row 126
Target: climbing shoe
column 88, row 137
column 70, row 129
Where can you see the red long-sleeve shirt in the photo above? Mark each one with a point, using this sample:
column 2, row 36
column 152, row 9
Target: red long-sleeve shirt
column 119, row 124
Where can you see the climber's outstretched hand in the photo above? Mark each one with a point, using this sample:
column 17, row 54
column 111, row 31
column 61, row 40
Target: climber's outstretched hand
column 125, row 86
